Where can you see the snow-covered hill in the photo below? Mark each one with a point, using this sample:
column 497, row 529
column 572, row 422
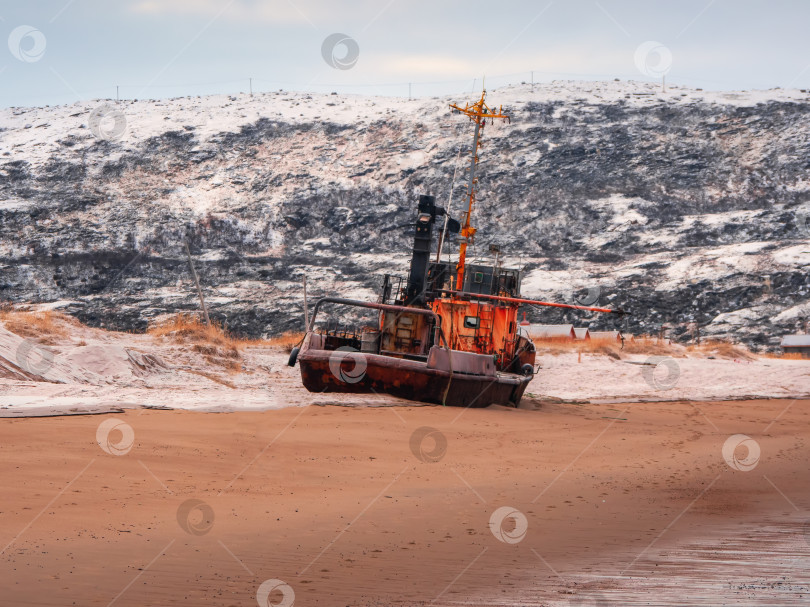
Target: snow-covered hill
column 684, row 206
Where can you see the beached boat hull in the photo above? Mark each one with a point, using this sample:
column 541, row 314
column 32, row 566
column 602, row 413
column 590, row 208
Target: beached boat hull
column 357, row 372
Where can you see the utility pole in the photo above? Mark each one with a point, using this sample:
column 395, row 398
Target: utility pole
column 409, row 91
column 117, row 95
column 197, row 283
column 251, row 86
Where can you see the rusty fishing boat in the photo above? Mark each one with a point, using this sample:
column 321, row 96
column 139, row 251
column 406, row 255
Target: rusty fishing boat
column 448, row 334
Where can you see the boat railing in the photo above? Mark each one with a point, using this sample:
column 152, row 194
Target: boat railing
column 378, row 306
column 392, row 289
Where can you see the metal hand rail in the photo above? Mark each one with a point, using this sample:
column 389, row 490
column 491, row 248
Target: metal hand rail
column 377, row 306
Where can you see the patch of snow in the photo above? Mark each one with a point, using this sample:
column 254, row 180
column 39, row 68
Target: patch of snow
column 796, row 256
column 799, row 312
column 739, row 317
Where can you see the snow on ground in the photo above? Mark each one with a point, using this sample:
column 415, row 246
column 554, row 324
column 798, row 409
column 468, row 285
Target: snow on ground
column 651, row 378
column 800, row 311
column 798, row 255
column 214, row 114
column 711, row 264
column 541, row 283
column 92, row 370
column 739, row 317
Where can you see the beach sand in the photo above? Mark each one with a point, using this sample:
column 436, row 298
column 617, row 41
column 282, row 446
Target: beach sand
column 599, row 505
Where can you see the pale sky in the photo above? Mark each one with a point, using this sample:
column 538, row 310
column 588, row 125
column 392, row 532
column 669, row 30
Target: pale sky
column 60, row 51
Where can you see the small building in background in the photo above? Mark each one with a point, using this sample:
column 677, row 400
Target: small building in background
column 796, row 344
column 606, row 336
column 581, row 334
column 551, row 332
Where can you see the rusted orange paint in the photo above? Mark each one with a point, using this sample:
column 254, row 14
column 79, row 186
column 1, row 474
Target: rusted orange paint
column 496, row 333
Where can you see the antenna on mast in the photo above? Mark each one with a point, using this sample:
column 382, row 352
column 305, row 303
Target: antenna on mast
column 478, row 113
column 443, row 235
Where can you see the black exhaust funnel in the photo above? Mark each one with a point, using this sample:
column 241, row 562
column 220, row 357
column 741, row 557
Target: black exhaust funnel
column 425, row 218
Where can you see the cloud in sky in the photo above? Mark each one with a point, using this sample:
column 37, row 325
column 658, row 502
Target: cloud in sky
column 282, row 13
column 177, row 46
column 438, row 66
column 275, row 12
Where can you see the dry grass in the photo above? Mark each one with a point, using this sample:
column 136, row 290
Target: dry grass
column 46, row 327
column 189, row 328
column 608, row 347
column 650, row 346
column 554, row 346
column 786, row 356
column 722, row 349
column 287, row 341
column 212, row 341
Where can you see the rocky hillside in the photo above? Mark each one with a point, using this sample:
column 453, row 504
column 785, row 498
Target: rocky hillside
column 684, row 207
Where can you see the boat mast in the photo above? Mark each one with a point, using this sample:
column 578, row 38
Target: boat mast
column 478, row 113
